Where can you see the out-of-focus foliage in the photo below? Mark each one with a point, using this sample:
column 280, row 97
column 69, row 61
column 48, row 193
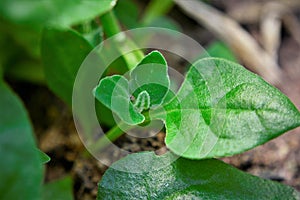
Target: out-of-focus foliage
column 21, row 165
column 59, row 190
column 55, row 12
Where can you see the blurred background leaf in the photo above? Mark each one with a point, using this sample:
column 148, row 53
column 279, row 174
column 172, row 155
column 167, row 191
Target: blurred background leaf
column 59, row 189
column 56, row 12
column 63, row 51
column 21, row 167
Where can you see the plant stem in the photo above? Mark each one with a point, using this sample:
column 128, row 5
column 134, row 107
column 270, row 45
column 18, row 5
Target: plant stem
column 110, row 24
column 112, row 27
column 155, row 9
column 113, row 134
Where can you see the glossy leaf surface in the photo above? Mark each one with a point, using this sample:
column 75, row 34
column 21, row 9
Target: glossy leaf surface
column 222, row 109
column 185, row 179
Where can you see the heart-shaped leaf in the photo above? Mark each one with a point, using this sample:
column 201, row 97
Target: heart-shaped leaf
column 222, row 109
column 185, row 179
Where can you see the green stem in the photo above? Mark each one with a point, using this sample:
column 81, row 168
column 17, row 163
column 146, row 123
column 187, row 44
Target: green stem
column 87, row 27
column 155, row 9
column 110, row 24
column 118, row 130
column 112, row 27
column 113, row 134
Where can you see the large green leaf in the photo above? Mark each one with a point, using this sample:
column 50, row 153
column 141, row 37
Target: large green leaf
column 222, row 109
column 148, row 85
column 63, row 51
column 56, row 12
column 184, row 179
column 59, row 190
column 21, row 38
column 21, row 166
column 128, row 14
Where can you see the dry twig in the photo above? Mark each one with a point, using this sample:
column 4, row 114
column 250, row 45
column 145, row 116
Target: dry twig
column 250, row 11
column 271, row 14
column 271, row 27
column 241, row 42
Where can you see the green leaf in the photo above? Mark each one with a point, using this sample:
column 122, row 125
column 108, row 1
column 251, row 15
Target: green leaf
column 222, row 109
column 27, row 70
column 1, row 70
column 21, row 169
column 24, row 37
column 128, row 14
column 148, row 85
column 184, row 179
column 151, row 75
column 113, row 92
column 56, row 12
column 59, row 189
column 43, row 157
column 220, row 50
column 63, row 51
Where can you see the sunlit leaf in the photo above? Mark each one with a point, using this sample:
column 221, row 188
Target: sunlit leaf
column 222, row 109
